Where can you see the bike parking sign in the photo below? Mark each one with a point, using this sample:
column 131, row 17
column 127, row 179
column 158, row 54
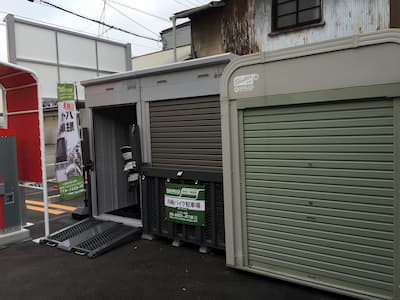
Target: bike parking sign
column 185, row 203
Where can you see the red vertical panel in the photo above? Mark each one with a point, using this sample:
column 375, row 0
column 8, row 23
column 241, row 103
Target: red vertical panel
column 22, row 99
column 26, row 127
column 22, row 79
column 7, row 132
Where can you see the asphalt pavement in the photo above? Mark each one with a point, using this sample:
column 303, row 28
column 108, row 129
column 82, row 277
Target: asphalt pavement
column 138, row 270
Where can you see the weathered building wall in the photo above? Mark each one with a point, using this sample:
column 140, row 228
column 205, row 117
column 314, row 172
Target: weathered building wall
column 245, row 25
column 342, row 18
column 183, row 36
column 161, row 58
column 206, row 33
column 238, row 27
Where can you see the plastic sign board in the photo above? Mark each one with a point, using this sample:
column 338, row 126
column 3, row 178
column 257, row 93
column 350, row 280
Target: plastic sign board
column 69, row 167
column 185, row 204
column 65, row 92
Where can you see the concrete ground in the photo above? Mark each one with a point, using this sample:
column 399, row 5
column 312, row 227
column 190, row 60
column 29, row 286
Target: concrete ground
column 138, row 270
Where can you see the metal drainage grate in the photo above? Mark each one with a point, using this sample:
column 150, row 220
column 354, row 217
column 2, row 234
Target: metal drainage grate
column 74, row 230
column 104, row 238
column 107, row 240
column 92, row 237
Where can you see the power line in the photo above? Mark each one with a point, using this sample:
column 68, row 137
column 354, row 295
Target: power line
column 60, row 26
column 102, row 19
column 104, row 32
column 140, row 11
column 96, row 21
column 72, row 29
column 126, row 16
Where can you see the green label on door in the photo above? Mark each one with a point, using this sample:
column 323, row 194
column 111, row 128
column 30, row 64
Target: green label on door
column 185, row 204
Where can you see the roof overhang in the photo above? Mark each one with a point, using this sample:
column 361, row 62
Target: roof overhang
column 189, row 12
column 13, row 76
column 168, row 68
column 23, row 114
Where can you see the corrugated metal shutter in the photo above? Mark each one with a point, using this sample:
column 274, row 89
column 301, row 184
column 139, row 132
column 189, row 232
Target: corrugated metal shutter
column 186, row 134
column 319, row 193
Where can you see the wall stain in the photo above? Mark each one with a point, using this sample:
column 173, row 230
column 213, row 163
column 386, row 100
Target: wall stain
column 238, row 27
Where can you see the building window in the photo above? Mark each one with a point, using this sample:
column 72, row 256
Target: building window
column 287, row 14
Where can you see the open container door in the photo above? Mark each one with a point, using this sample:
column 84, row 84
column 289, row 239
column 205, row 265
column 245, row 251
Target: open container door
column 23, row 114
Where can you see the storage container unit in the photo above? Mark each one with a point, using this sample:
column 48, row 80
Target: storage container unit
column 12, row 204
column 176, row 108
column 311, row 164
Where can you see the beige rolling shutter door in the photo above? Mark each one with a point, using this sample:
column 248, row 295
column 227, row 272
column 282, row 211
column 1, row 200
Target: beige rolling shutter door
column 319, row 193
column 186, row 133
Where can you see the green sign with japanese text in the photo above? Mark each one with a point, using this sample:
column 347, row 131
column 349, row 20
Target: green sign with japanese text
column 185, row 204
column 65, row 91
column 71, row 188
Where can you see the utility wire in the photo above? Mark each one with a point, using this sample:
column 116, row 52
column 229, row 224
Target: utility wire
column 126, row 16
column 98, row 22
column 104, row 31
column 101, row 30
column 73, row 29
column 140, row 11
column 84, row 31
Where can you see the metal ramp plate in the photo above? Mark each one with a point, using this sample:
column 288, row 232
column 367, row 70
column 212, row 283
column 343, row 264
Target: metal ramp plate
column 92, row 237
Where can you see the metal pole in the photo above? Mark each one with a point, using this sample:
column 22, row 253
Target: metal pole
column 174, row 35
column 76, row 93
column 4, row 98
column 43, row 158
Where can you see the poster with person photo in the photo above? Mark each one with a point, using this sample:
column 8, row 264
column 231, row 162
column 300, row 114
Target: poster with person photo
column 69, row 168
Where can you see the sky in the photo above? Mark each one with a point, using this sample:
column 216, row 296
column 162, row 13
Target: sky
column 115, row 14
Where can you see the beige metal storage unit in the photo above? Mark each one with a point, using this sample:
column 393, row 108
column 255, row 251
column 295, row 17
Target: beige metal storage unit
column 176, row 108
column 311, row 164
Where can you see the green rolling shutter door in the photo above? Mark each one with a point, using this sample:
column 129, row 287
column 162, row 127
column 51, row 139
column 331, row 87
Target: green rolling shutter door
column 319, row 193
